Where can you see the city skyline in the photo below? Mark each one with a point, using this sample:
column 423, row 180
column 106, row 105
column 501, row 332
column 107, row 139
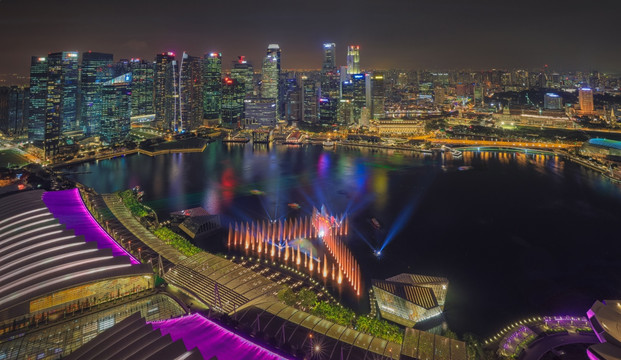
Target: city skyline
column 397, row 35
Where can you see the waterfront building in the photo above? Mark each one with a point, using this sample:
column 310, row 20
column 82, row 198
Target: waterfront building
column 270, row 75
column 63, row 263
column 605, row 319
column 329, row 90
column 233, row 94
column 604, row 149
column 142, row 86
column 243, row 72
column 259, row 112
column 398, row 127
column 163, row 92
column 96, row 69
column 353, row 59
column 116, row 101
column 212, row 85
column 585, row 98
column 190, row 94
column 37, row 99
column 292, row 100
column 552, row 101
column 13, row 110
column 409, row 298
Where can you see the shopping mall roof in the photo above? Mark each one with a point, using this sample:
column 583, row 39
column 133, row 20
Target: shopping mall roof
column 50, row 242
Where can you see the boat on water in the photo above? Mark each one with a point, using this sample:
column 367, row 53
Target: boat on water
column 456, row 153
column 329, row 144
column 256, row 192
column 376, row 224
column 426, row 151
column 465, row 168
column 294, row 206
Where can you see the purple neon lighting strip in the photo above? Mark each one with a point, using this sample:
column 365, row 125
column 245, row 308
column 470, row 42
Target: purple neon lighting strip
column 212, row 339
column 67, row 206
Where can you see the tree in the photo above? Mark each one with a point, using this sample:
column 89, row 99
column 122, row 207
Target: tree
column 306, row 298
column 287, row 296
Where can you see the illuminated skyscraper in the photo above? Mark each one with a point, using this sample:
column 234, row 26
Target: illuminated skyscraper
column 309, row 100
column 259, row 112
column 243, row 72
column 233, row 93
column 37, row 99
column 270, row 74
column 116, row 101
column 353, row 59
column 585, row 96
column 63, row 86
column 329, row 91
column 190, row 106
column 142, row 87
column 359, row 95
column 377, row 95
column 163, row 88
column 212, row 85
column 96, row 69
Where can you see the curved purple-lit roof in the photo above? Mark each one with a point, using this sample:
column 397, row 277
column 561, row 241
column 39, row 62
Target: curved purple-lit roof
column 212, row 339
column 67, row 206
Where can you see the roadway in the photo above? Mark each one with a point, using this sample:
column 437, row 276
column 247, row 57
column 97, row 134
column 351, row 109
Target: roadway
column 522, row 144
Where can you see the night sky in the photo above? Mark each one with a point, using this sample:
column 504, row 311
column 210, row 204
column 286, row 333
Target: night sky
column 409, row 34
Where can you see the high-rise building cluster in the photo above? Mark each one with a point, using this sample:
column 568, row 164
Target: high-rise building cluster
column 90, row 95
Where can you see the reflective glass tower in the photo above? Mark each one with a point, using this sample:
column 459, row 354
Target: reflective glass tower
column 329, row 91
column 243, row 72
column 212, row 85
column 233, row 93
column 63, row 84
column 271, row 73
column 190, row 94
column 142, row 86
column 96, row 69
column 162, row 94
column 37, row 99
column 116, row 101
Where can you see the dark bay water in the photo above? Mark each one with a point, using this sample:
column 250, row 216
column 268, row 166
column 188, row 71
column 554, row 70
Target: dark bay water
column 516, row 234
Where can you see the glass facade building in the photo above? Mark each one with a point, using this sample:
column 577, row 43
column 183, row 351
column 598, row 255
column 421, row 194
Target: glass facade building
column 190, row 94
column 142, row 87
column 116, row 116
column 96, row 69
column 37, row 99
column 270, row 75
column 212, row 85
column 233, row 94
column 162, row 88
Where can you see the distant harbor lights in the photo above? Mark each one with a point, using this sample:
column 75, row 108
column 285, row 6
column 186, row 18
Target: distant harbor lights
column 275, row 239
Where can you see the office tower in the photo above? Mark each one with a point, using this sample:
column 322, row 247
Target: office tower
column 378, row 94
column 233, row 93
column 552, row 101
column 353, row 59
column 359, row 95
column 439, row 95
column 37, row 99
column 259, row 112
column 585, row 97
column 190, row 94
column 292, row 102
column 96, row 69
column 212, row 85
column 243, row 72
column 345, row 112
column 13, row 108
column 309, row 100
column 163, row 88
column 63, row 87
column 116, row 103
column 142, row 87
column 270, row 74
column 329, row 91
